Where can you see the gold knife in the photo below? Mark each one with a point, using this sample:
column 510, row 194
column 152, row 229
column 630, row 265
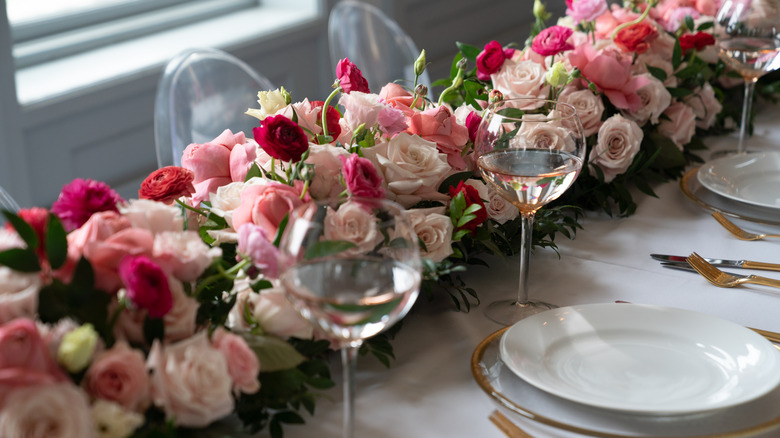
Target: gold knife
column 745, row 264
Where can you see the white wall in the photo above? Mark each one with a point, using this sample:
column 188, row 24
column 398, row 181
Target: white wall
column 106, row 132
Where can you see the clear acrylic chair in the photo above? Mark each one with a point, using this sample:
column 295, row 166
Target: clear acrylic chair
column 375, row 43
column 7, row 203
column 201, row 93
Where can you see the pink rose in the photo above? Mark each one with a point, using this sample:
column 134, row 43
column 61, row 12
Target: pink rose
column 610, row 70
column 606, row 23
column 105, row 255
column 281, row 138
column 552, row 41
column 361, row 177
column 255, row 243
column 352, row 222
column 679, row 124
column 391, row 121
column 24, row 358
column 350, row 77
column 361, row 108
column 400, row 98
column 618, row 143
column 119, row 375
column 147, row 285
column 190, row 381
column 491, row 58
column 586, row 10
column 441, row 127
column 243, row 365
column 655, row 99
column 326, row 159
column 53, row 411
column 267, row 204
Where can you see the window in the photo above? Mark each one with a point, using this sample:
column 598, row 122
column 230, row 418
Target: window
column 44, row 30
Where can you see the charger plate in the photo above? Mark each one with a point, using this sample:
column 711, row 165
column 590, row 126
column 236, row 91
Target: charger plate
column 525, row 403
column 702, row 196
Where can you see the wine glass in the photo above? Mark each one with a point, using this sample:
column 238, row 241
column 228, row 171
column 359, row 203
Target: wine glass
column 529, row 151
column 747, row 41
column 352, row 267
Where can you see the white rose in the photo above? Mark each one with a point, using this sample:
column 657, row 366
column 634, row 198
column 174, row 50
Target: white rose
column 183, row 254
column 705, row 106
column 679, row 124
column 180, row 321
column 271, row 309
column 589, row 106
column 354, row 223
column 412, row 168
column 434, row 229
column 59, row 410
column 270, row 103
column 18, row 294
column 523, row 78
column 618, row 143
column 153, row 216
column 112, row 421
column 498, row 208
column 190, row 381
column 228, row 197
column 327, row 170
column 306, row 114
column 655, row 99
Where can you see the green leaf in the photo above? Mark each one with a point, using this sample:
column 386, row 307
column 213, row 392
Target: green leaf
column 468, row 51
column 512, row 113
column 261, row 284
column 704, row 26
column 658, row 73
column 676, row 54
column 677, row 92
column 274, row 354
column 153, row 329
column 254, row 171
column 280, row 230
column 56, row 242
column 24, row 229
column 689, row 23
column 20, row 259
column 453, row 180
column 324, row 248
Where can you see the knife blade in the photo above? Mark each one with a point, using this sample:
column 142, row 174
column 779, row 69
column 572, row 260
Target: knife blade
column 745, row 264
column 688, row 268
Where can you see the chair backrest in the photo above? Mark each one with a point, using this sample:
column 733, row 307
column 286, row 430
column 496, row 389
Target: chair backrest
column 7, row 203
column 201, row 93
column 375, row 43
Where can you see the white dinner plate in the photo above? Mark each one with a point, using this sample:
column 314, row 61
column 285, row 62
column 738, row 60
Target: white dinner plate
column 753, row 178
column 641, row 358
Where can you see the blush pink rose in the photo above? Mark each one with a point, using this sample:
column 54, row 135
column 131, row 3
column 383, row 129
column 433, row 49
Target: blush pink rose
column 400, row 97
column 180, row 321
column 361, row 177
column 440, row 126
column 610, row 70
column 352, row 222
column 271, row 309
column 243, row 364
column 606, row 23
column 119, row 375
column 619, row 140
column 679, row 124
column 267, row 204
column 52, row 411
column 190, row 381
column 153, row 216
column 589, row 107
column 327, row 162
column 705, row 106
column 521, row 78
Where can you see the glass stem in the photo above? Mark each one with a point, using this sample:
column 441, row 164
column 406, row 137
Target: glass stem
column 526, row 236
column 349, row 355
column 747, row 104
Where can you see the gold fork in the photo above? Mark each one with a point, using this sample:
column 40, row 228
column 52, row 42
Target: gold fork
column 722, row 279
column 738, row 232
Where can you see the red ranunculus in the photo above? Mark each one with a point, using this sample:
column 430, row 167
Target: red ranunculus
column 350, row 77
column 332, row 118
column 167, row 184
column 636, row 38
column 472, row 123
column 698, row 41
column 146, row 284
column 472, row 197
column 552, row 41
column 491, row 58
column 361, row 177
column 281, row 138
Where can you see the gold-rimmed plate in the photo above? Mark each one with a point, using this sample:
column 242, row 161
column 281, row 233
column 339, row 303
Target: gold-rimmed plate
column 528, row 405
column 702, row 196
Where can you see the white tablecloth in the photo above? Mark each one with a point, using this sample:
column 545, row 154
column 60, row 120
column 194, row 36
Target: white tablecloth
column 429, row 390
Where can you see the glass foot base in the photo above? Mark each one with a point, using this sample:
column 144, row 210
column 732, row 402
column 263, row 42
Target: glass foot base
column 508, row 312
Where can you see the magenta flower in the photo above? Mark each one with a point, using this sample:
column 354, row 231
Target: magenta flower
column 82, row 198
column 361, row 177
column 350, row 77
column 472, row 123
column 552, row 41
column 146, row 284
column 281, row 138
column 491, row 58
column 253, row 242
column 585, row 10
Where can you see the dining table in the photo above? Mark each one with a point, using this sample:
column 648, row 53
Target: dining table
column 429, row 389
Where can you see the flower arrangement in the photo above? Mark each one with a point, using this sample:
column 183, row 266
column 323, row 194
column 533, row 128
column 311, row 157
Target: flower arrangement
column 147, row 316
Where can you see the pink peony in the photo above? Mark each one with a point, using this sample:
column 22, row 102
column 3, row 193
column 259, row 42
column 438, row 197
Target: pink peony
column 267, row 204
column 147, row 285
column 440, row 126
column 350, row 77
column 586, row 10
column 361, row 177
column 610, row 71
column 552, row 41
column 255, row 243
column 218, row 162
column 119, row 375
column 391, row 121
column 80, row 199
column 491, row 58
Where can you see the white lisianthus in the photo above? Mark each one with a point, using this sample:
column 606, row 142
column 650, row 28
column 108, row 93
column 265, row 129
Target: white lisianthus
column 270, row 103
column 112, row 421
column 77, row 348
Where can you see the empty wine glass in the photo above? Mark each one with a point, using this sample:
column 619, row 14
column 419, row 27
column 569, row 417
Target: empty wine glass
column 747, row 40
column 529, row 151
column 352, row 267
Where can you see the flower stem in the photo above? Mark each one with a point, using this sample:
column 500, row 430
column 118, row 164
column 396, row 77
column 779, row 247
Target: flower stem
column 637, row 21
column 324, row 110
column 230, row 273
